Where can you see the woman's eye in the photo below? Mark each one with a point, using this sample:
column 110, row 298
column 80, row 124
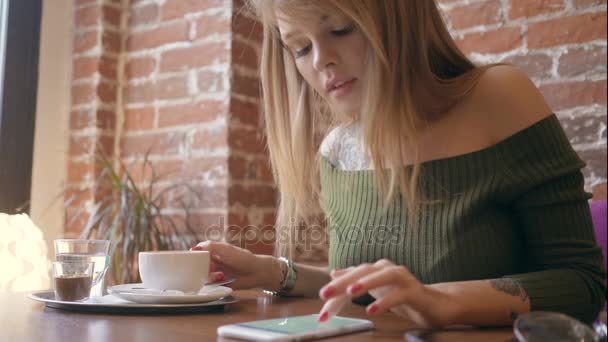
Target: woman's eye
column 302, row 52
column 344, row 31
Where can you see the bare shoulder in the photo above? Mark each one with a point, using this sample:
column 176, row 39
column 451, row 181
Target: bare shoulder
column 507, row 101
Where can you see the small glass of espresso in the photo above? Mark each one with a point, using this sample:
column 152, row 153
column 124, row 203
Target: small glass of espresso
column 72, row 280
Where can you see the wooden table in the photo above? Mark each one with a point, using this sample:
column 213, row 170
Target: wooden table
column 22, row 319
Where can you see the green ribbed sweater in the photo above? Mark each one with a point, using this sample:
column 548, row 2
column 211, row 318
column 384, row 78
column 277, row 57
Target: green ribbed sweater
column 515, row 209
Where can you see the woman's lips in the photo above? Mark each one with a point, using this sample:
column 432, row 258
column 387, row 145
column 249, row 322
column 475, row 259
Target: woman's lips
column 343, row 89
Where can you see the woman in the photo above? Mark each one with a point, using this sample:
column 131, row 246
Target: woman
column 479, row 211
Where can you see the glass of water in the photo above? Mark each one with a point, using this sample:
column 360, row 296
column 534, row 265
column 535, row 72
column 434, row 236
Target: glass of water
column 95, row 251
column 539, row 326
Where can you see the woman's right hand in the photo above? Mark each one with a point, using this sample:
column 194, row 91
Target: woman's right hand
column 228, row 261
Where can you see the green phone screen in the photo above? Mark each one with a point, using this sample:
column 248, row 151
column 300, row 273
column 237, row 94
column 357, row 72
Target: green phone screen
column 298, row 324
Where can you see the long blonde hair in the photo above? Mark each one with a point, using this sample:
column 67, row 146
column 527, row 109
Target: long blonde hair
column 415, row 74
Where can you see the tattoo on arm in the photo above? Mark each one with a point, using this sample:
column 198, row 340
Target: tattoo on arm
column 510, row 287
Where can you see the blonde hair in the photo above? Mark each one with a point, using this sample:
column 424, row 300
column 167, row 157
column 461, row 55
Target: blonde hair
column 415, row 74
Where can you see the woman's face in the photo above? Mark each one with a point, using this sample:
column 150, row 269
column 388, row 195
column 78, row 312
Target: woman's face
column 330, row 54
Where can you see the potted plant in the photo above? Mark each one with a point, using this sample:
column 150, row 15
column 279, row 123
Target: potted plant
column 130, row 215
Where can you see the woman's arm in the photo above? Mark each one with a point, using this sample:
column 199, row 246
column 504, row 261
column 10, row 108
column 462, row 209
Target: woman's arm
column 310, row 278
column 484, row 302
column 478, row 302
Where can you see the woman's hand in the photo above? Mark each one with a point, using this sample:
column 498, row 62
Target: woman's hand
column 228, row 261
column 393, row 287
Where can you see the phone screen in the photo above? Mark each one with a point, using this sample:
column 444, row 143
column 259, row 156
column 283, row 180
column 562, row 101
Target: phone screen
column 299, row 324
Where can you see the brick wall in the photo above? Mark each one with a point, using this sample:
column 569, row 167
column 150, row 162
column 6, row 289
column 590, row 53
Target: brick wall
column 178, row 78
column 561, row 44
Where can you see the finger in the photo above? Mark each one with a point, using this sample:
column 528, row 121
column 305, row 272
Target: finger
column 339, row 271
column 216, row 276
column 338, row 285
column 332, row 307
column 392, row 275
column 396, row 296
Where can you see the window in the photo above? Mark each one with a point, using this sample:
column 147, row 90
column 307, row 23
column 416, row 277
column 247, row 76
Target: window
column 20, row 39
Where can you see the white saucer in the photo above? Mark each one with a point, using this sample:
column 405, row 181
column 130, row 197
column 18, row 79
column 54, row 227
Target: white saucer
column 138, row 294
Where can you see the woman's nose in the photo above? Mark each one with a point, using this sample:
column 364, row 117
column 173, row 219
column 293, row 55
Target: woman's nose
column 324, row 55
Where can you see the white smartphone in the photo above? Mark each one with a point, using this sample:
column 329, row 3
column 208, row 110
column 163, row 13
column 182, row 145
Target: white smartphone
column 296, row 328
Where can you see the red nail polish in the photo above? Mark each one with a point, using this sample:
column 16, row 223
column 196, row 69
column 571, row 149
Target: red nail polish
column 329, row 291
column 372, row 309
column 219, row 277
column 323, row 316
column 355, row 288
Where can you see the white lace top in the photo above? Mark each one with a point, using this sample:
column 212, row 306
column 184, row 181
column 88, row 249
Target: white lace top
column 344, row 149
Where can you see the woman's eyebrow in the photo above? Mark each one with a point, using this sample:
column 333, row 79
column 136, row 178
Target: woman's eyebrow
column 295, row 32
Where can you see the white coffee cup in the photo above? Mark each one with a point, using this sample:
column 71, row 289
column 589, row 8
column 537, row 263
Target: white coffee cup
column 185, row 271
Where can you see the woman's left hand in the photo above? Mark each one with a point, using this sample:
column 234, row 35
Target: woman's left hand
column 393, row 287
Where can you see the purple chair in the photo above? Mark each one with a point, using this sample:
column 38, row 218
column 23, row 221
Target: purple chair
column 598, row 214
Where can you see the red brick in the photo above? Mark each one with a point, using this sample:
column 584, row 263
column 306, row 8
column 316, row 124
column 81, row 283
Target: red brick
column 111, row 15
column 248, row 28
column 255, row 195
column 84, row 41
column 197, row 56
column 78, row 172
column 108, row 67
column 588, row 3
column 87, row 16
column 149, row 39
column 238, row 168
column 140, row 67
column 535, row 65
column 205, row 223
column 190, row 113
column 160, row 169
column 599, row 192
column 76, row 220
column 179, row 8
column 84, row 67
column 89, row 118
column 210, row 139
column 245, row 85
column 105, row 120
column 596, row 162
column 154, row 143
column 83, row 93
column 107, row 92
column 210, row 81
column 111, row 41
column 584, row 129
column 245, row 112
column 205, row 169
column 250, row 169
column 82, row 119
column 243, row 54
column 263, row 171
column 88, row 145
column 532, row 8
column 567, row 30
column 199, row 196
column 494, row 41
column 246, row 140
column 573, row 94
column 75, row 197
column 208, row 25
column 144, row 15
column 583, row 60
column 482, row 13
column 139, row 118
column 84, row 2
column 167, row 88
